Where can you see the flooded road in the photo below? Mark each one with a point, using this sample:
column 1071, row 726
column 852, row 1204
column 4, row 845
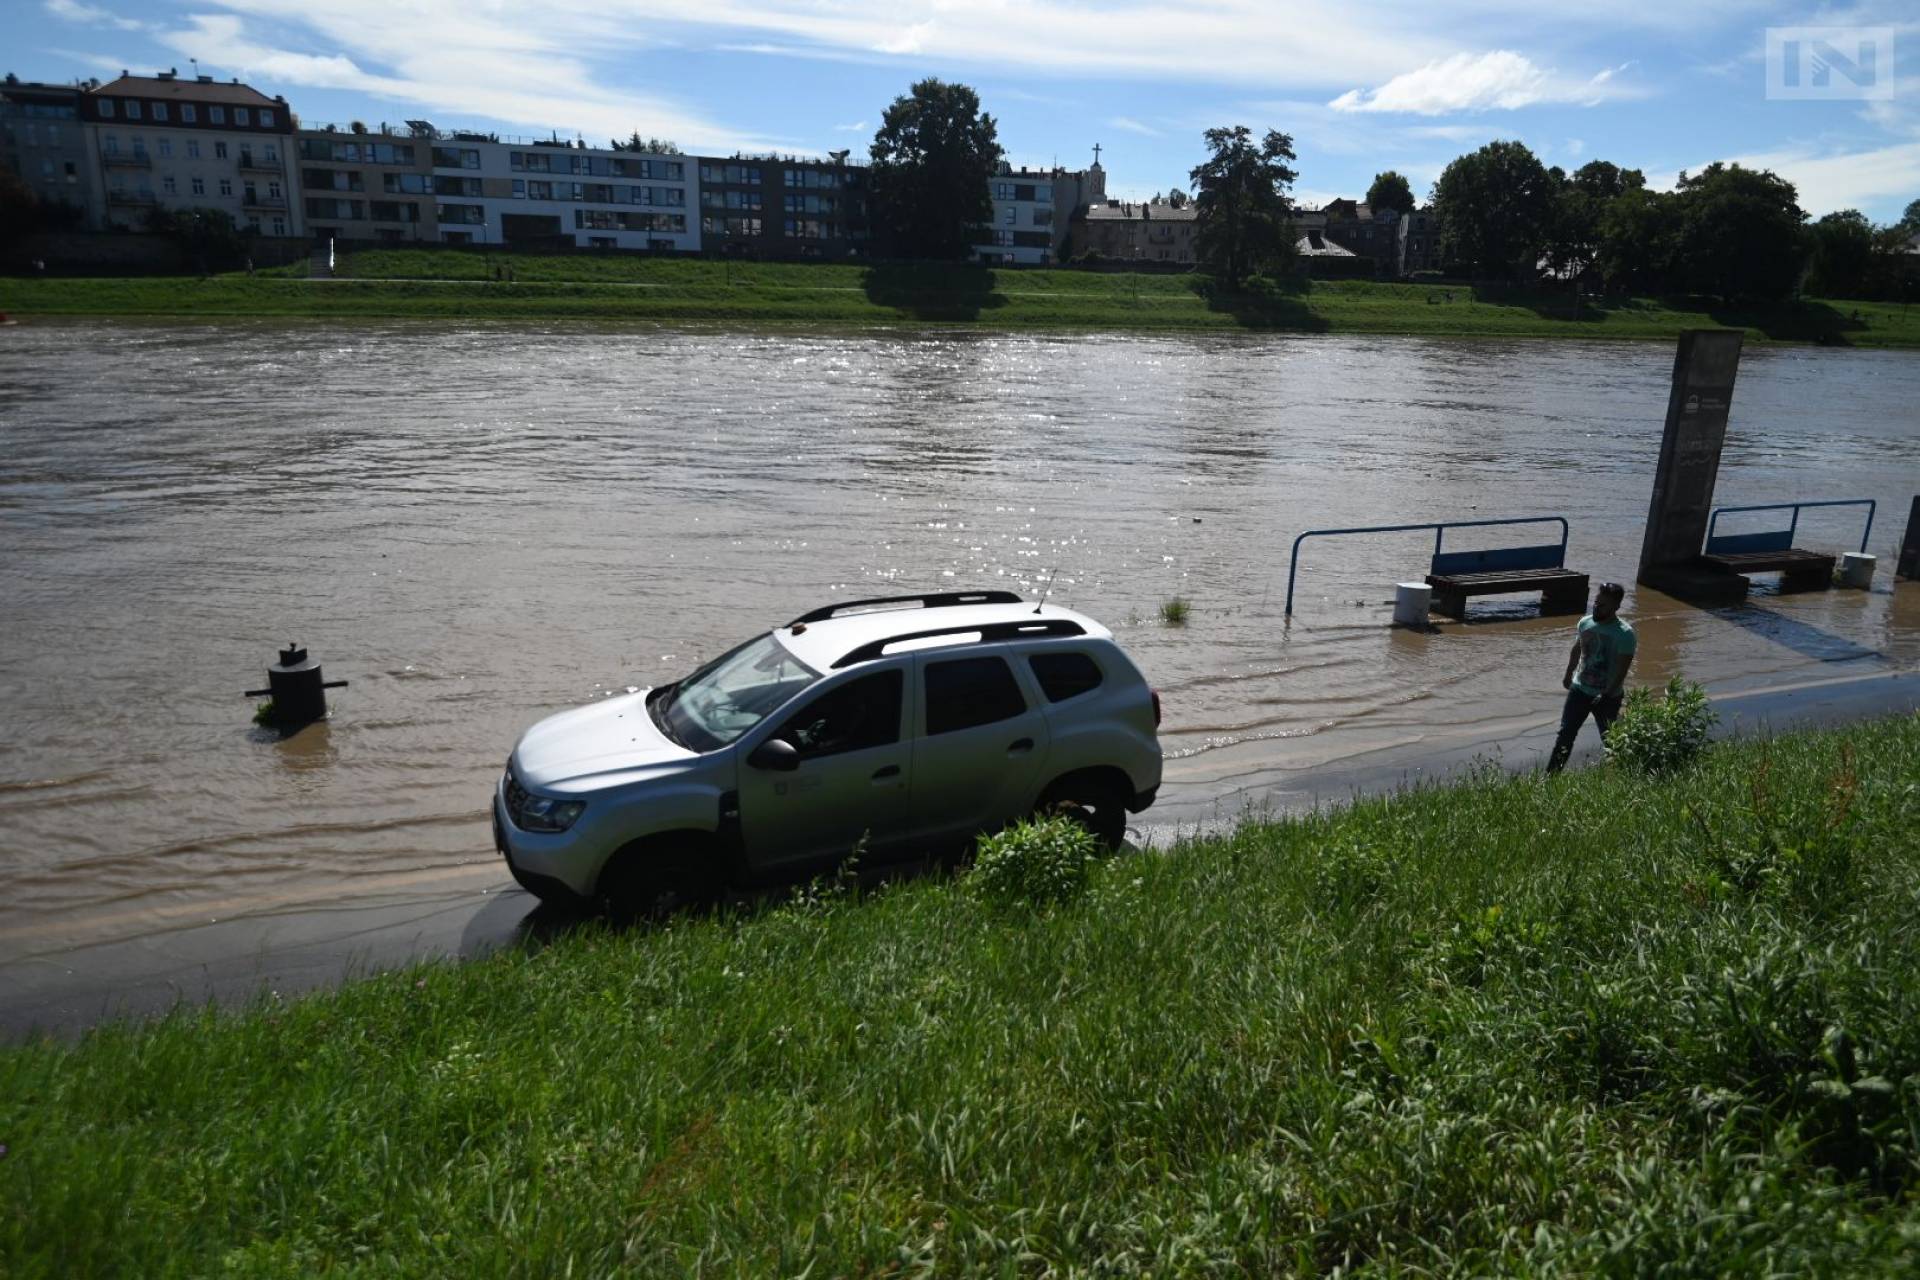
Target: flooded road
column 478, row 526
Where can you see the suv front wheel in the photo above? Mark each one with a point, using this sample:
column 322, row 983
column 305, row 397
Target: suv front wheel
column 654, row 878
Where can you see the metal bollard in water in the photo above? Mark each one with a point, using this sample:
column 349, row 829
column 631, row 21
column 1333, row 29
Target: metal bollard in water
column 297, row 689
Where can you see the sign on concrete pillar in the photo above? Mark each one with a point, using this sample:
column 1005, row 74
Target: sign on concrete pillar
column 1703, row 372
column 1910, row 549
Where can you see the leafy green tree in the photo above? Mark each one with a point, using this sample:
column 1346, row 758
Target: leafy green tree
column 20, row 211
column 1580, row 202
column 653, row 146
column 1639, row 241
column 1242, row 211
column 1496, row 208
column 1742, row 233
column 208, row 236
column 1391, row 191
column 1910, row 220
column 933, row 157
column 1177, row 197
column 1843, row 256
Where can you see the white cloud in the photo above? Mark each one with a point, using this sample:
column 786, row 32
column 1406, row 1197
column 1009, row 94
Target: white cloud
column 74, row 11
column 482, row 63
column 1884, row 178
column 1497, row 80
column 858, row 126
column 1576, row 146
column 1129, row 125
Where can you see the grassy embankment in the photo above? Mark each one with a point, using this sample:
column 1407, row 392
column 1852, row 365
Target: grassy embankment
column 1595, row 1025
column 457, row 283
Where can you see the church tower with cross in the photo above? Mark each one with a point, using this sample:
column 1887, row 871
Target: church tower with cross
column 1096, row 180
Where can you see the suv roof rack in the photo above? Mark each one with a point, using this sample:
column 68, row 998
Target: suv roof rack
column 929, row 600
column 989, row 633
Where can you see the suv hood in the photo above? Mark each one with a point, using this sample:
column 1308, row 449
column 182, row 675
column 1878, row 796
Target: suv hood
column 612, row 736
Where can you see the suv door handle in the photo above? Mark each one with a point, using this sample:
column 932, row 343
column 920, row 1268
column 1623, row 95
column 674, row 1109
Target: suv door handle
column 1020, row 747
column 889, row 771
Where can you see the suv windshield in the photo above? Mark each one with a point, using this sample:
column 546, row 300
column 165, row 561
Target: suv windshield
column 733, row 693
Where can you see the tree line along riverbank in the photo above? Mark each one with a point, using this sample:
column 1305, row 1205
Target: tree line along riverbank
column 1601, row 1024
column 462, row 284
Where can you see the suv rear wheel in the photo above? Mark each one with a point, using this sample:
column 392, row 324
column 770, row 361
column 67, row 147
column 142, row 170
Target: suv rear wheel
column 1096, row 802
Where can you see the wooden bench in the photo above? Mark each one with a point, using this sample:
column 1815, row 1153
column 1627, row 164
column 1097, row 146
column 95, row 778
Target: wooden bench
column 1456, row 575
column 1750, row 553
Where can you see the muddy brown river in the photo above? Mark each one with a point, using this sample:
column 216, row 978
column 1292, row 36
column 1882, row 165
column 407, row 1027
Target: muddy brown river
column 479, row 525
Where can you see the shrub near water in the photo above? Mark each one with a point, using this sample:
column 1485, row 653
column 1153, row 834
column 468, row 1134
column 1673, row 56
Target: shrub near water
column 1657, row 735
column 1038, row 864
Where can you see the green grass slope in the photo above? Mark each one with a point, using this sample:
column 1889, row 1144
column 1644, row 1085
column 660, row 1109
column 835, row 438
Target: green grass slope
column 1586, row 1026
column 460, row 284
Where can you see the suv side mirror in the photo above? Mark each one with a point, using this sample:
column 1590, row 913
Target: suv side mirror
column 776, row 754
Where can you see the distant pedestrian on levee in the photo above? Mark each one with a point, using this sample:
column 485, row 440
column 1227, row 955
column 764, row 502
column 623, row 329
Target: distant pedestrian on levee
column 1596, row 677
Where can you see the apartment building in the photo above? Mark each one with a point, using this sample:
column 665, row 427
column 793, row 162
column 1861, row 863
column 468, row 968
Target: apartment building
column 1032, row 209
column 361, row 184
column 163, row 142
column 1423, row 241
column 784, row 207
column 533, row 192
column 1137, row 231
column 41, row 139
column 1376, row 234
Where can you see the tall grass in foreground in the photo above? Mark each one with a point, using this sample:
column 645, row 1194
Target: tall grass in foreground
column 1593, row 1025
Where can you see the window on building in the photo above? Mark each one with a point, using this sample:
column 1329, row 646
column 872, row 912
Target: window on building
column 253, row 223
column 167, row 185
column 279, row 226
column 159, row 111
column 106, row 108
column 270, row 153
column 189, row 113
column 73, row 174
column 226, row 186
column 46, row 167
column 166, row 148
column 242, row 117
column 1011, row 215
column 193, row 148
column 969, row 692
column 219, row 151
column 217, row 115
column 53, row 135
column 199, row 186
column 110, row 143
column 1003, row 191
column 133, row 109
column 139, row 146
column 273, row 190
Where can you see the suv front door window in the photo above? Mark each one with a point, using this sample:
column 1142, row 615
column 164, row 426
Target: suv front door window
column 852, row 781
column 981, row 747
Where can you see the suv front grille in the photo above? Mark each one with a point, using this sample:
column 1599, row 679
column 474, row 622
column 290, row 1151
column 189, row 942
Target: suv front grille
column 517, row 797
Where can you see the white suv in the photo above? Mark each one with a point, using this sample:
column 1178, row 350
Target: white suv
column 902, row 724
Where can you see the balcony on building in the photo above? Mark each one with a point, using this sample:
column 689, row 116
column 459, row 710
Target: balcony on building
column 251, row 201
column 132, row 197
column 127, row 160
column 260, row 164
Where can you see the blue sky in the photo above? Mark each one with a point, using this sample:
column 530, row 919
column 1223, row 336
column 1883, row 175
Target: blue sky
column 1660, row 85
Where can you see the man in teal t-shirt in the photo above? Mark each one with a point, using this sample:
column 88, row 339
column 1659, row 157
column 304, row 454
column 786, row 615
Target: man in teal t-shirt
column 1602, row 654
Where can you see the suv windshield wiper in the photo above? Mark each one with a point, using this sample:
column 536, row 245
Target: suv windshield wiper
column 657, row 704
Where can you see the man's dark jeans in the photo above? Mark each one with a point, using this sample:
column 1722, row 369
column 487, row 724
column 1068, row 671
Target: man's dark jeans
column 1604, row 710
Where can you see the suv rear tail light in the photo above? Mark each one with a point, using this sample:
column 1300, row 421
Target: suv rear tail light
column 1156, row 707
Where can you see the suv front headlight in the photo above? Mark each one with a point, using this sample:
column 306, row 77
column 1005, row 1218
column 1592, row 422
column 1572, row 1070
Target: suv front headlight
column 544, row 813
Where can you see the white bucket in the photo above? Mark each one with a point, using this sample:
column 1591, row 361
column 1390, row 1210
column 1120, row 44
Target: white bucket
column 1856, row 570
column 1411, row 603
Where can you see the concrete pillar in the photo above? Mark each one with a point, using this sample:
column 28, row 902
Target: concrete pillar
column 1411, row 603
column 1704, row 366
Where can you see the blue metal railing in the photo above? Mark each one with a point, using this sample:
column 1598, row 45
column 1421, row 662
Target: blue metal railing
column 1796, row 507
column 1439, row 536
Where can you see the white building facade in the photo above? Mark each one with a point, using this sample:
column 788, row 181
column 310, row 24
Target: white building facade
column 161, row 142
column 1031, row 212
column 529, row 193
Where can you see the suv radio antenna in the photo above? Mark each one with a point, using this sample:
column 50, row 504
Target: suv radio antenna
column 1043, row 591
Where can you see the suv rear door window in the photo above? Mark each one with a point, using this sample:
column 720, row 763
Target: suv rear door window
column 1064, row 675
column 859, row 714
column 968, row 692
